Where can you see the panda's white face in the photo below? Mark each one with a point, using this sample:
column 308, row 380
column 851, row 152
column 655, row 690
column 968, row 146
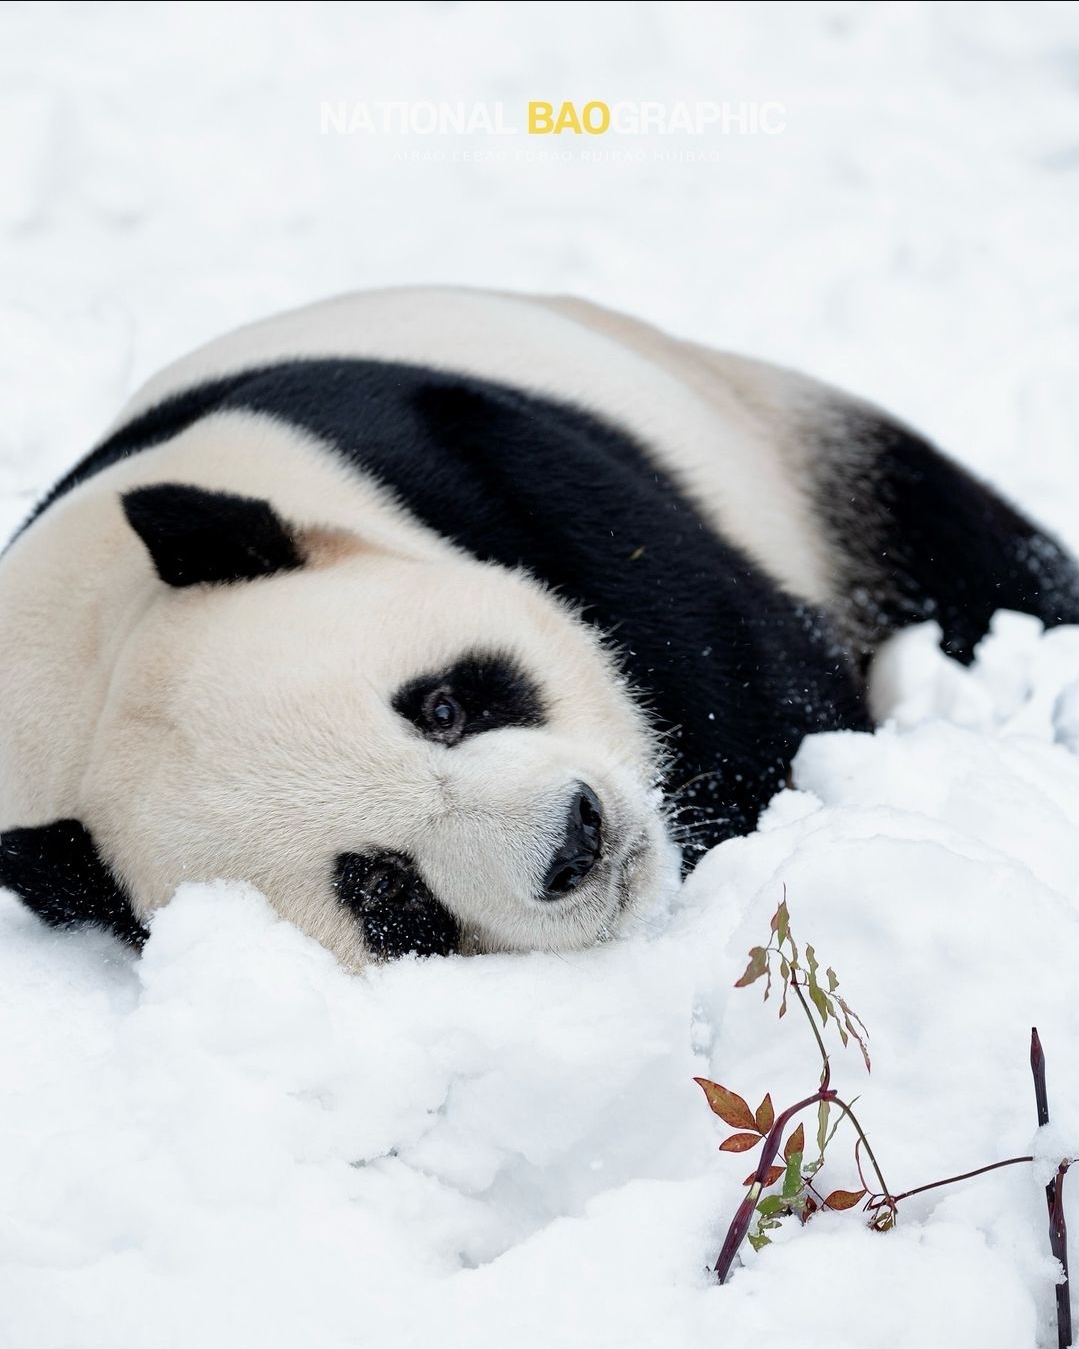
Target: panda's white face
column 370, row 736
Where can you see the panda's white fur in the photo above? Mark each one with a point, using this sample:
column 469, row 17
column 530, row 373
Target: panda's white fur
column 247, row 731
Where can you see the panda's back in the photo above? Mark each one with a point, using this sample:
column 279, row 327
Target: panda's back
column 724, row 431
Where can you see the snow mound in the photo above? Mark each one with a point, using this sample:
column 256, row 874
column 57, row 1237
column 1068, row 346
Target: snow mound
column 231, row 1142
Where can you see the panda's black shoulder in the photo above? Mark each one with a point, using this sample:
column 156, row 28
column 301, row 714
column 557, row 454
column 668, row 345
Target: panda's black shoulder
column 410, row 426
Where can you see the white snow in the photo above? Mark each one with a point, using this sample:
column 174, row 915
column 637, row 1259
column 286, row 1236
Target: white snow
column 230, row 1142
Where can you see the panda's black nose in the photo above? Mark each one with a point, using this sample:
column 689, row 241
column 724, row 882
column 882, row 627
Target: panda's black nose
column 581, row 844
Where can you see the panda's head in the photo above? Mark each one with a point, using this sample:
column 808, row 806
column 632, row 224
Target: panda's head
column 401, row 754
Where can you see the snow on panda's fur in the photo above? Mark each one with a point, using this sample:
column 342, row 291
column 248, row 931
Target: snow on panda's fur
column 437, row 614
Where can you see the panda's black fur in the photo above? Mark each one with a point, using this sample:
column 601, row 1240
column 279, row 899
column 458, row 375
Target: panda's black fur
column 56, row 871
column 940, row 545
column 734, row 670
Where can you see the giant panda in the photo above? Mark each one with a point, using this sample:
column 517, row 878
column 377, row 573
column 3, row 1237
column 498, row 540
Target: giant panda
column 450, row 620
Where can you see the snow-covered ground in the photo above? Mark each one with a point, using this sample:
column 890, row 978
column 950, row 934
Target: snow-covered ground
column 230, row 1143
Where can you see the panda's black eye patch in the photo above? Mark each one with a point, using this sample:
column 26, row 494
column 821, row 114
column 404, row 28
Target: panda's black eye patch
column 483, row 692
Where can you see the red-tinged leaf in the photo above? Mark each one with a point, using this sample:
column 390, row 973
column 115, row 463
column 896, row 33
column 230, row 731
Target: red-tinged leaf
column 856, row 1026
column 765, row 1116
column 739, row 1142
column 769, row 1178
column 841, row 1199
column 796, row 1143
column 781, row 921
column 758, row 965
column 728, row 1105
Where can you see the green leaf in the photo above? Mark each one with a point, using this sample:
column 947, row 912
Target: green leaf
column 822, row 1127
column 765, row 1116
column 817, row 995
column 843, row 1199
column 884, row 1219
column 792, row 1179
column 770, row 1205
column 820, row 1000
column 740, row 1142
column 796, row 1143
column 758, row 1240
column 731, row 1108
column 758, row 965
column 833, row 982
column 781, row 921
column 785, row 972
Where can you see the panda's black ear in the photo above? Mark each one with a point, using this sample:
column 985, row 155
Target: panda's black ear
column 56, row 871
column 196, row 537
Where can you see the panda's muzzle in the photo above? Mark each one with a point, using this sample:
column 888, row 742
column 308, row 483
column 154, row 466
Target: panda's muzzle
column 581, row 846
column 398, row 912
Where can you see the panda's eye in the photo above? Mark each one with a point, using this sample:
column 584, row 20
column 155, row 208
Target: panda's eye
column 481, row 691
column 443, row 716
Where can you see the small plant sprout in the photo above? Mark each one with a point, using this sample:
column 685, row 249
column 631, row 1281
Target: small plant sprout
column 785, row 1183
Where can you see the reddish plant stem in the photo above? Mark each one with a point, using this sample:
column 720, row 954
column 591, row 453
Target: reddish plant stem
column 1054, row 1198
column 1058, row 1241
column 826, row 1069
column 966, row 1175
column 743, row 1216
column 1037, row 1067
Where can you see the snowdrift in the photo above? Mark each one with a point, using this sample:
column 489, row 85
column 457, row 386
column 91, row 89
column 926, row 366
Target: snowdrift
column 232, row 1142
